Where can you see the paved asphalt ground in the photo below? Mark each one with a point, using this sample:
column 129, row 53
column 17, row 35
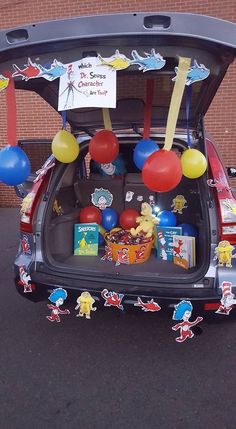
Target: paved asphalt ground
column 112, row 371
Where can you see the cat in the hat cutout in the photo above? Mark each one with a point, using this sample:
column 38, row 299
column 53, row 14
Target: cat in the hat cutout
column 228, row 300
column 183, row 311
column 25, row 280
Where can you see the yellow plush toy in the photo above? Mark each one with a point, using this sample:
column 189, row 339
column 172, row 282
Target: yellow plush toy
column 146, row 222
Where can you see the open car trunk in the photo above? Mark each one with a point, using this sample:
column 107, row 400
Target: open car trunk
column 33, row 54
column 74, row 192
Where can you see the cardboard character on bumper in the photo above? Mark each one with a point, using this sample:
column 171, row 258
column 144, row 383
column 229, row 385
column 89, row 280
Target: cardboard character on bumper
column 183, row 311
column 228, row 300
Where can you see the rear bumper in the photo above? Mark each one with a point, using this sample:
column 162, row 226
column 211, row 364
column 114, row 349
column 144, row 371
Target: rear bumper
column 44, row 283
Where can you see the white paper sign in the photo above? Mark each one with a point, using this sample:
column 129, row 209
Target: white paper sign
column 87, row 84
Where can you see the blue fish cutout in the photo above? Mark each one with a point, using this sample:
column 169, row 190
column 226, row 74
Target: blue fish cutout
column 55, row 70
column 196, row 73
column 152, row 61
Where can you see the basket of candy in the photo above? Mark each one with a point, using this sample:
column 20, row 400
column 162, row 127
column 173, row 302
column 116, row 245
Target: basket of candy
column 126, row 249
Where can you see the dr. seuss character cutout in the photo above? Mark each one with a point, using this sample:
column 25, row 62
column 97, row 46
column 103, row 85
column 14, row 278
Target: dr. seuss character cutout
column 25, row 280
column 4, row 81
column 148, row 306
column 223, row 252
column 219, row 184
column 85, row 305
column 179, row 204
column 25, row 245
column 102, row 198
column 152, row 61
column 162, row 246
column 122, row 256
column 116, row 62
column 183, row 311
column 57, row 297
column 228, row 300
column 112, row 299
column 108, row 254
column 33, row 70
column 195, row 73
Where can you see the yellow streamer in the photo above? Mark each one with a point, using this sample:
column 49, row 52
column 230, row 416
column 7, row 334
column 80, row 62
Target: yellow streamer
column 184, row 64
column 106, row 119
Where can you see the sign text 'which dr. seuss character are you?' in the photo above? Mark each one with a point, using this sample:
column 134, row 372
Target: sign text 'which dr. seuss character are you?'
column 87, row 83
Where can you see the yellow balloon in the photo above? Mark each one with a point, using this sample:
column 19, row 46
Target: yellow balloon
column 194, row 163
column 101, row 230
column 65, row 147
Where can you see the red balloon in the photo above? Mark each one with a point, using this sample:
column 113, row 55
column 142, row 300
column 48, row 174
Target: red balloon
column 127, row 219
column 104, row 147
column 162, row 171
column 90, row 214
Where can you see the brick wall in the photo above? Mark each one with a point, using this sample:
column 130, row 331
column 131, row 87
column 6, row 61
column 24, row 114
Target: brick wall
column 36, row 119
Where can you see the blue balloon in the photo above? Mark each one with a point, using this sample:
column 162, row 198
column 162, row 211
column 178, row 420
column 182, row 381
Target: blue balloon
column 109, row 218
column 166, row 218
column 100, row 239
column 14, row 165
column 189, row 230
column 143, row 150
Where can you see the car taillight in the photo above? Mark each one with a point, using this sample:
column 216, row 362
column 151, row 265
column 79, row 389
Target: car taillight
column 225, row 201
column 29, row 203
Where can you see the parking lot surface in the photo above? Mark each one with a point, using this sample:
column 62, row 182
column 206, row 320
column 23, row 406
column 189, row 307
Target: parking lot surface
column 113, row 371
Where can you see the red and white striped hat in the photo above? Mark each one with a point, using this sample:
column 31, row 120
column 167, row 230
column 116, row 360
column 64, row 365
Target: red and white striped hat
column 160, row 234
column 226, row 288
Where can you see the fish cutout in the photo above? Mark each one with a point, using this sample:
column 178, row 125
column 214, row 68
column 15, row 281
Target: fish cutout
column 195, row 73
column 152, row 61
column 116, row 62
column 112, row 299
column 54, row 71
column 31, row 71
column 4, row 81
column 148, row 306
